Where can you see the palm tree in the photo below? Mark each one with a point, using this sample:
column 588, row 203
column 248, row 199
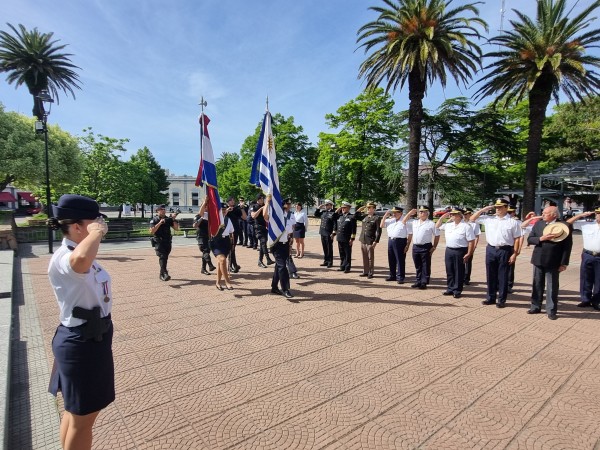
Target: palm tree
column 419, row 41
column 32, row 58
column 539, row 59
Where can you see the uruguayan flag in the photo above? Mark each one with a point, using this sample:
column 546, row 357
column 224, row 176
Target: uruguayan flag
column 264, row 175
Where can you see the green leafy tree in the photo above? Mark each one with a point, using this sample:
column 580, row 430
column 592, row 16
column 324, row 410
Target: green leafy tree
column 148, row 182
column 537, row 59
column 353, row 162
column 573, row 132
column 22, row 153
column 419, row 41
column 231, row 177
column 35, row 60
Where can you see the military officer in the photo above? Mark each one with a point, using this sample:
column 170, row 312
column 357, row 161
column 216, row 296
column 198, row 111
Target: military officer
column 399, row 237
column 425, row 238
column 260, row 230
column 203, row 237
column 476, row 232
column 345, row 231
column 328, row 218
column 160, row 229
column 369, row 237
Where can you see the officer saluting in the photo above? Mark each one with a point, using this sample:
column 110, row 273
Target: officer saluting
column 160, row 228
column 369, row 237
column 345, row 229
column 328, row 218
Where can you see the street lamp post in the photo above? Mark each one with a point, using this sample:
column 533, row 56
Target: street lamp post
column 42, row 127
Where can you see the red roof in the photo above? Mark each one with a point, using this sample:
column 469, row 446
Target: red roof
column 27, row 197
column 7, row 197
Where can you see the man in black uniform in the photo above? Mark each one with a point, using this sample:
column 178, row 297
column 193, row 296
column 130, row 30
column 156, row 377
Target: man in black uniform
column 260, row 229
column 290, row 219
column 243, row 240
column 236, row 215
column 328, row 218
column 345, row 229
column 250, row 226
column 202, row 236
column 160, row 229
column 369, row 237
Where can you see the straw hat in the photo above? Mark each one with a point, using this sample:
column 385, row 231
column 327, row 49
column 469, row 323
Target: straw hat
column 560, row 229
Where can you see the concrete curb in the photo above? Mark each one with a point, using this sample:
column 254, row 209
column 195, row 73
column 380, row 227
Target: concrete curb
column 6, row 282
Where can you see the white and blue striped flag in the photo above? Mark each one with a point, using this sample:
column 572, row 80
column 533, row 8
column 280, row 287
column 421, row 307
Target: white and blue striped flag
column 264, row 175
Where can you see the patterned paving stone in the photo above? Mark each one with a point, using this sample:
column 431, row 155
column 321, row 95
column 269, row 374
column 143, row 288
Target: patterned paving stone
column 356, row 364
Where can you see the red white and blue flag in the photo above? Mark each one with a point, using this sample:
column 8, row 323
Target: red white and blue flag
column 207, row 175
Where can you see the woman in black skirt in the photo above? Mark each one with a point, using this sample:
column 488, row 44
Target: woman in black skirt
column 83, row 361
column 221, row 246
column 300, row 225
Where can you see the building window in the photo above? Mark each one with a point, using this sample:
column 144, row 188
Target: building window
column 195, row 198
column 175, row 198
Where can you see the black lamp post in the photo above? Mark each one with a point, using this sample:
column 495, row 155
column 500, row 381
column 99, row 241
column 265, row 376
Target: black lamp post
column 42, row 127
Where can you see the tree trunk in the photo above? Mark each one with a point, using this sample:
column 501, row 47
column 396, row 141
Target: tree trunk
column 430, row 191
column 539, row 97
column 416, row 92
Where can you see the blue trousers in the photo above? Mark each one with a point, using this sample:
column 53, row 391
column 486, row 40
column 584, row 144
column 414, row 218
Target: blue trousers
column 422, row 259
column 397, row 258
column 590, row 279
column 496, row 268
column 455, row 268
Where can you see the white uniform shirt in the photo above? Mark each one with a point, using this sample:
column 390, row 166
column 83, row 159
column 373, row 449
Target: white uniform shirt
column 501, row 231
column 71, row 289
column 289, row 228
column 458, row 235
column 397, row 229
column 591, row 237
column 476, row 228
column 228, row 228
column 423, row 232
column 301, row 217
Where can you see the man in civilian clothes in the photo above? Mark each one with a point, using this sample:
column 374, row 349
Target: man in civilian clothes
column 589, row 286
column 328, row 218
column 425, row 238
column 553, row 242
column 345, row 229
column 502, row 234
column 399, row 237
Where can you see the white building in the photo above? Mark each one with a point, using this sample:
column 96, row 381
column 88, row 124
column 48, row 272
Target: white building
column 183, row 193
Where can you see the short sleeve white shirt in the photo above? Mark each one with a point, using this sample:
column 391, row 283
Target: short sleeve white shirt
column 501, row 231
column 396, row 229
column 301, row 217
column 591, row 237
column 71, row 289
column 458, row 235
column 423, row 232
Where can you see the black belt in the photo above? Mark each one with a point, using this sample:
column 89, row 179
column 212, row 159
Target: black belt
column 423, row 245
column 95, row 327
column 457, row 248
column 393, row 239
column 502, row 247
column 589, row 252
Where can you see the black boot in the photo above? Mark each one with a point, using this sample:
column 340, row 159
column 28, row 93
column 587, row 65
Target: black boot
column 204, row 271
column 261, row 264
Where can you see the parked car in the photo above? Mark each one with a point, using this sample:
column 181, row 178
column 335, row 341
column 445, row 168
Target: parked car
column 381, row 211
column 34, row 210
column 441, row 212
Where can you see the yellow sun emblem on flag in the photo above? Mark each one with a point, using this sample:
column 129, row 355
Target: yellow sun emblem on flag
column 270, row 143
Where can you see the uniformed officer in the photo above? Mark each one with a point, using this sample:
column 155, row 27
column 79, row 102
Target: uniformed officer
column 289, row 216
column 425, row 238
column 460, row 243
column 512, row 212
column 260, row 230
column 345, row 229
column 281, row 252
column 252, row 241
column 328, row 218
column 589, row 287
column 399, row 237
column 243, row 238
column 203, row 237
column 502, row 234
column 476, row 231
column 160, row 229
column 236, row 215
column 369, row 237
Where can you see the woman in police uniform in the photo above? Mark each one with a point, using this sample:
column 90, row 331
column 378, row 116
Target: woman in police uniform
column 83, row 362
column 221, row 246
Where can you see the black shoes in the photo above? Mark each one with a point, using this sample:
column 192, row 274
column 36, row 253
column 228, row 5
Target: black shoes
column 400, row 282
column 276, row 291
column 323, row 264
column 415, row 285
column 270, row 262
column 457, row 295
column 447, row 293
column 552, row 316
column 596, row 307
column 347, row 271
column 165, row 276
column 329, row 265
column 261, row 265
column 295, row 276
column 370, row 276
column 584, row 305
column 205, row 272
column 363, row 274
column 533, row 311
column 390, row 279
column 422, row 286
column 500, row 305
column 211, row 267
column 488, row 302
column 341, row 269
column 287, row 294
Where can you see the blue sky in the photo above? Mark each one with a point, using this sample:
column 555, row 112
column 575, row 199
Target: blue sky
column 146, row 63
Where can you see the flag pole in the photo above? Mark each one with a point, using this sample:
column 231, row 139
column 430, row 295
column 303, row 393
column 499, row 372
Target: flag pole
column 202, row 104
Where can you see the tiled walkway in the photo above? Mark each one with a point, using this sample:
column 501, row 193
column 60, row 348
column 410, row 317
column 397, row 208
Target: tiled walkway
column 355, row 364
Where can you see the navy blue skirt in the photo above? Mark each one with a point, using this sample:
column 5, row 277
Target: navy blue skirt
column 83, row 370
column 220, row 245
column 299, row 230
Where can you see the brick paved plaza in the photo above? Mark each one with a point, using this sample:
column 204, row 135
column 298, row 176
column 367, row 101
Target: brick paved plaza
column 355, row 364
